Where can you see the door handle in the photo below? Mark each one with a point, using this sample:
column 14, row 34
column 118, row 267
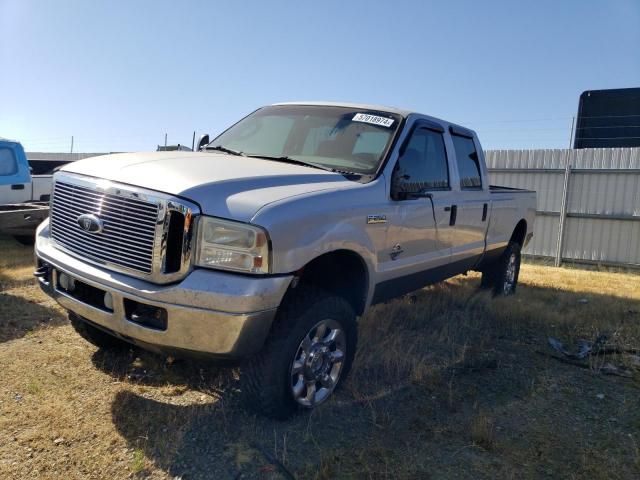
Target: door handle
column 484, row 211
column 17, row 186
column 454, row 214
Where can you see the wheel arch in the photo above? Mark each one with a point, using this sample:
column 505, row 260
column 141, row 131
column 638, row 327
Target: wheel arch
column 343, row 272
column 519, row 233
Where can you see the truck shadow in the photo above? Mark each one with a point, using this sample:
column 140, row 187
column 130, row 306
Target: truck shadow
column 20, row 316
column 207, row 433
column 141, row 367
column 222, row 439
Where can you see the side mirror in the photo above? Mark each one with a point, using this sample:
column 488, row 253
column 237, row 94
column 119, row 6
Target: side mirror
column 204, row 140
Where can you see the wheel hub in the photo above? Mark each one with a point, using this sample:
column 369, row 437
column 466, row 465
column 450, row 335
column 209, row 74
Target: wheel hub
column 318, row 362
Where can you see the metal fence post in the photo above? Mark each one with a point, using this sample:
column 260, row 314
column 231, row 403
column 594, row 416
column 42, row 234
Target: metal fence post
column 563, row 209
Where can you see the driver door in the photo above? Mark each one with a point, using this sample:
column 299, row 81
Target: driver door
column 419, row 235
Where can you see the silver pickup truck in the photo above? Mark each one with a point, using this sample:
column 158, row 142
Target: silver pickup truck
column 269, row 242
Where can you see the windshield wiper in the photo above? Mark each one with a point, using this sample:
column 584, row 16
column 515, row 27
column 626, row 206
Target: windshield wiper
column 221, row 148
column 294, row 161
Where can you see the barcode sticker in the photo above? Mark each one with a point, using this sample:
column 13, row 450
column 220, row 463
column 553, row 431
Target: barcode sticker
column 373, row 119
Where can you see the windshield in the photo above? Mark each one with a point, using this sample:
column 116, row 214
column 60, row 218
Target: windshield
column 339, row 138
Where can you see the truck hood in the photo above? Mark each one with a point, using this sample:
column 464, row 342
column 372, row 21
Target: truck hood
column 223, row 185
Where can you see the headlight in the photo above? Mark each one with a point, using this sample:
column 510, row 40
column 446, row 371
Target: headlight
column 232, row 246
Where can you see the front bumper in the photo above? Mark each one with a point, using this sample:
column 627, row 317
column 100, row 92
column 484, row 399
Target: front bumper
column 209, row 312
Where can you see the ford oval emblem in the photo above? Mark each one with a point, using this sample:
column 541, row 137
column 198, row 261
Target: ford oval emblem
column 90, row 223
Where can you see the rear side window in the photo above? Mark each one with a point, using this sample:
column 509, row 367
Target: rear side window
column 8, row 163
column 468, row 162
column 423, row 165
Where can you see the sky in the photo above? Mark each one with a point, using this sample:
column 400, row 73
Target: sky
column 118, row 75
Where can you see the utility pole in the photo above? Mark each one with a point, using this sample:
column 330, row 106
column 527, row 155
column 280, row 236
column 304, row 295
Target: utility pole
column 563, row 210
column 165, row 139
column 565, row 197
column 71, row 150
column 193, row 142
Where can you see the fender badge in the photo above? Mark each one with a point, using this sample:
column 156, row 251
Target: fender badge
column 373, row 219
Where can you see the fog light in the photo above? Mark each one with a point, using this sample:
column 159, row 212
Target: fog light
column 108, row 301
column 67, row 282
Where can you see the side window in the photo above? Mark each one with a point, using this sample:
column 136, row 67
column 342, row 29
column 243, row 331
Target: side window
column 468, row 162
column 8, row 163
column 423, row 165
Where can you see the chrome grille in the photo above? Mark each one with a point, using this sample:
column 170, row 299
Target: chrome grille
column 128, row 237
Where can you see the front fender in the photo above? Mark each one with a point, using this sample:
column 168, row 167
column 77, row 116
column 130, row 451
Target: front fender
column 304, row 228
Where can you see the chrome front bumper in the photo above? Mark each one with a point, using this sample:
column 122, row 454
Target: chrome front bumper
column 209, row 312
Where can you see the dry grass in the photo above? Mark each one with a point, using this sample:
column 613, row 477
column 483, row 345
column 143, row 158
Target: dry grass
column 23, row 307
column 447, row 383
column 483, row 432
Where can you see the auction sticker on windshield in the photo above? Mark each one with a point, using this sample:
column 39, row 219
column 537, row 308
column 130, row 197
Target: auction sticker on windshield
column 373, row 119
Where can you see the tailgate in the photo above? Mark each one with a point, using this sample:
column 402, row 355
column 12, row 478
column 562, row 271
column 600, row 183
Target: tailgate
column 22, row 218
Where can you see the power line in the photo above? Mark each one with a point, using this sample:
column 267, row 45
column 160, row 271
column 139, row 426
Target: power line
column 607, row 138
column 530, row 120
column 611, row 126
column 522, row 129
column 610, row 116
column 554, row 119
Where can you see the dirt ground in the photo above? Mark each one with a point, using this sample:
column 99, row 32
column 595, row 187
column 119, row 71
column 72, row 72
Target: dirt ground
column 447, row 383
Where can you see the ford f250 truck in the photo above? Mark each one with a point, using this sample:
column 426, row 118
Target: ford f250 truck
column 269, row 242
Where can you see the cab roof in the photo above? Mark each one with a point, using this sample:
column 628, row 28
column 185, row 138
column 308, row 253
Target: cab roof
column 363, row 106
column 382, row 108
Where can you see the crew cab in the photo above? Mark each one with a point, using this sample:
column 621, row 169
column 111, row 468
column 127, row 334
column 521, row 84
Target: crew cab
column 266, row 244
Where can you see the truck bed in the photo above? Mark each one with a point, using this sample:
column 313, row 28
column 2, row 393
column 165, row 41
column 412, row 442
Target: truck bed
column 22, row 218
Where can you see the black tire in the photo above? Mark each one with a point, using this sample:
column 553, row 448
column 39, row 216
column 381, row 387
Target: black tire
column 94, row 335
column 266, row 379
column 26, row 240
column 502, row 276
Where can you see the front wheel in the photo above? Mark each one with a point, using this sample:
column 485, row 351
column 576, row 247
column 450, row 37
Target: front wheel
column 307, row 355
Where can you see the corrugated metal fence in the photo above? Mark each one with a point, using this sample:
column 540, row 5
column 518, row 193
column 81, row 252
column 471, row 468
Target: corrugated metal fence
column 588, row 201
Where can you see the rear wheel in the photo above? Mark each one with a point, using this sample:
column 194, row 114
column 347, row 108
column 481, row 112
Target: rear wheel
column 94, row 335
column 307, row 355
column 502, row 276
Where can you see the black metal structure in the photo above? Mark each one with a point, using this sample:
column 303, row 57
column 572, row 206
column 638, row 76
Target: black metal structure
column 608, row 118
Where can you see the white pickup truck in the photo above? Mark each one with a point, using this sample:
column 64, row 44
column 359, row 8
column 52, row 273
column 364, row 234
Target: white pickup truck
column 269, row 242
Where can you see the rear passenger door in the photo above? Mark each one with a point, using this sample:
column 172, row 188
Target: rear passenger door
column 470, row 213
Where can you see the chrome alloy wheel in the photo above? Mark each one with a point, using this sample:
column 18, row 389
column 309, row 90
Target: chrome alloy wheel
column 317, row 365
column 510, row 275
